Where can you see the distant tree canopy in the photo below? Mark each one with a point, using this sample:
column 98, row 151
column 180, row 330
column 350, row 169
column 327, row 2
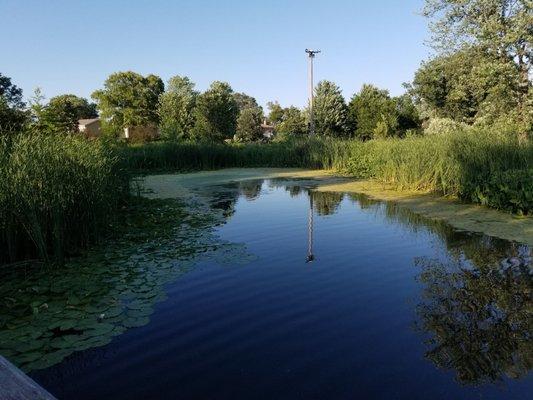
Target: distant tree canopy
column 216, row 113
column 176, row 108
column 245, row 101
column 466, row 86
column 275, row 115
column 129, row 99
column 12, row 109
column 62, row 113
column 330, row 110
column 293, row 122
column 249, row 125
column 373, row 113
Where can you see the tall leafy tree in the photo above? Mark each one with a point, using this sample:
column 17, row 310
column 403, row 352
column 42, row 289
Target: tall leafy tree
column 330, row 110
column 249, row 125
column 275, row 112
column 245, row 101
column 62, row 113
column 373, row 113
column 216, row 113
column 12, row 108
column 129, row 99
column 176, row 108
column 407, row 112
column 502, row 28
column 292, row 123
column 466, row 85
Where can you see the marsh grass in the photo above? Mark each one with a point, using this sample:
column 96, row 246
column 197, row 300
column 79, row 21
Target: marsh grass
column 56, row 195
column 486, row 167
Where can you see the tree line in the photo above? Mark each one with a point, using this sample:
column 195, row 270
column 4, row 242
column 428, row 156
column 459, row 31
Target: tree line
column 480, row 75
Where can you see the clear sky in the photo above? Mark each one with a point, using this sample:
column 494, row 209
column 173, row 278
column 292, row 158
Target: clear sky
column 256, row 46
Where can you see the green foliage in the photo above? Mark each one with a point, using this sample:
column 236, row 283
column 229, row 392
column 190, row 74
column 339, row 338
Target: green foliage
column 502, row 28
column 56, row 194
column 330, row 110
column 373, row 113
column 249, row 125
column 245, row 101
column 216, row 113
column 275, row 114
column 176, row 108
column 465, row 86
column 12, row 109
column 129, row 99
column 292, row 123
column 62, row 113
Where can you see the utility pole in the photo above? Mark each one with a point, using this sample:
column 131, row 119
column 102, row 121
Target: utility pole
column 311, row 54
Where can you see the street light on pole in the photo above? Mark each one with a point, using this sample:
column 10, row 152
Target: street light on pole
column 311, row 54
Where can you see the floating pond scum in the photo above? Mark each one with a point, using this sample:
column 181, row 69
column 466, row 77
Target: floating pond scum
column 211, row 267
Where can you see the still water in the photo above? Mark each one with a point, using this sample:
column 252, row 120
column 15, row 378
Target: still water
column 339, row 297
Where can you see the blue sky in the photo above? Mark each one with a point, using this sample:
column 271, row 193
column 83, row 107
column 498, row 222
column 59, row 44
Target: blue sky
column 256, row 46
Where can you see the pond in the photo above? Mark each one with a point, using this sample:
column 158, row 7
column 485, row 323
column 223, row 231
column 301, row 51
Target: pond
column 269, row 289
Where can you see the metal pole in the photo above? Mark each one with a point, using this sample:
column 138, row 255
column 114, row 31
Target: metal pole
column 311, row 54
column 311, row 97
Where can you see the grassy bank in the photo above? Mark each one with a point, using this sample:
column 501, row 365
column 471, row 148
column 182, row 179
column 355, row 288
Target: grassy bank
column 476, row 166
column 57, row 193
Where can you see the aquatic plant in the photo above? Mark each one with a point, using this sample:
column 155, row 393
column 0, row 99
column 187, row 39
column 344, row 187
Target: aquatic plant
column 47, row 314
column 57, row 194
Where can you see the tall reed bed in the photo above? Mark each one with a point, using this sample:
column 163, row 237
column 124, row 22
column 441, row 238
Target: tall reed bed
column 191, row 156
column 57, row 193
column 486, row 167
column 479, row 167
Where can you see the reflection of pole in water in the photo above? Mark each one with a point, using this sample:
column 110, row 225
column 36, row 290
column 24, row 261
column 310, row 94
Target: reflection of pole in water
column 310, row 256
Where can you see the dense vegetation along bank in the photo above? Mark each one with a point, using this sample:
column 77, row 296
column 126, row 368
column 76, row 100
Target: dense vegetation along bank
column 477, row 166
column 59, row 193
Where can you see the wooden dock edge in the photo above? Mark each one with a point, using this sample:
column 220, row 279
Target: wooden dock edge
column 16, row 385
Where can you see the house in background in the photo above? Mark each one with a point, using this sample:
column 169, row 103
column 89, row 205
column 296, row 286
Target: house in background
column 89, row 127
column 268, row 130
column 142, row 133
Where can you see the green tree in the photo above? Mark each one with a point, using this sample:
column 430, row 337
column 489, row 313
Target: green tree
column 216, row 113
column 330, row 110
column 13, row 115
column 465, row 86
column 373, row 113
column 245, row 101
column 62, row 113
column 292, row 122
column 408, row 115
column 176, row 108
column 275, row 114
column 249, row 125
column 129, row 99
column 502, row 28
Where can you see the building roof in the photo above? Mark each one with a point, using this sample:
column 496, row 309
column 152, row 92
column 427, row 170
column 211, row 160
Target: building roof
column 88, row 121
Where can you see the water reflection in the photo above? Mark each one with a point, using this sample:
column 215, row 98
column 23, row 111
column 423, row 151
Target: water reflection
column 479, row 317
column 476, row 304
column 474, row 308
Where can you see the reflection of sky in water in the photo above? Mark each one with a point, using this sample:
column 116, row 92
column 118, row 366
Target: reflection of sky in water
column 393, row 306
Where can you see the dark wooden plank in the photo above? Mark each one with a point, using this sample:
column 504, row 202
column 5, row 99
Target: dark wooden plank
column 16, row 385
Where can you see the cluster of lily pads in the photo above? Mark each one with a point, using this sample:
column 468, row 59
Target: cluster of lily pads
column 47, row 313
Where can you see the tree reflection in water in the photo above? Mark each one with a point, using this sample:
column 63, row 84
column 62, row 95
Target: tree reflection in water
column 479, row 316
column 476, row 304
